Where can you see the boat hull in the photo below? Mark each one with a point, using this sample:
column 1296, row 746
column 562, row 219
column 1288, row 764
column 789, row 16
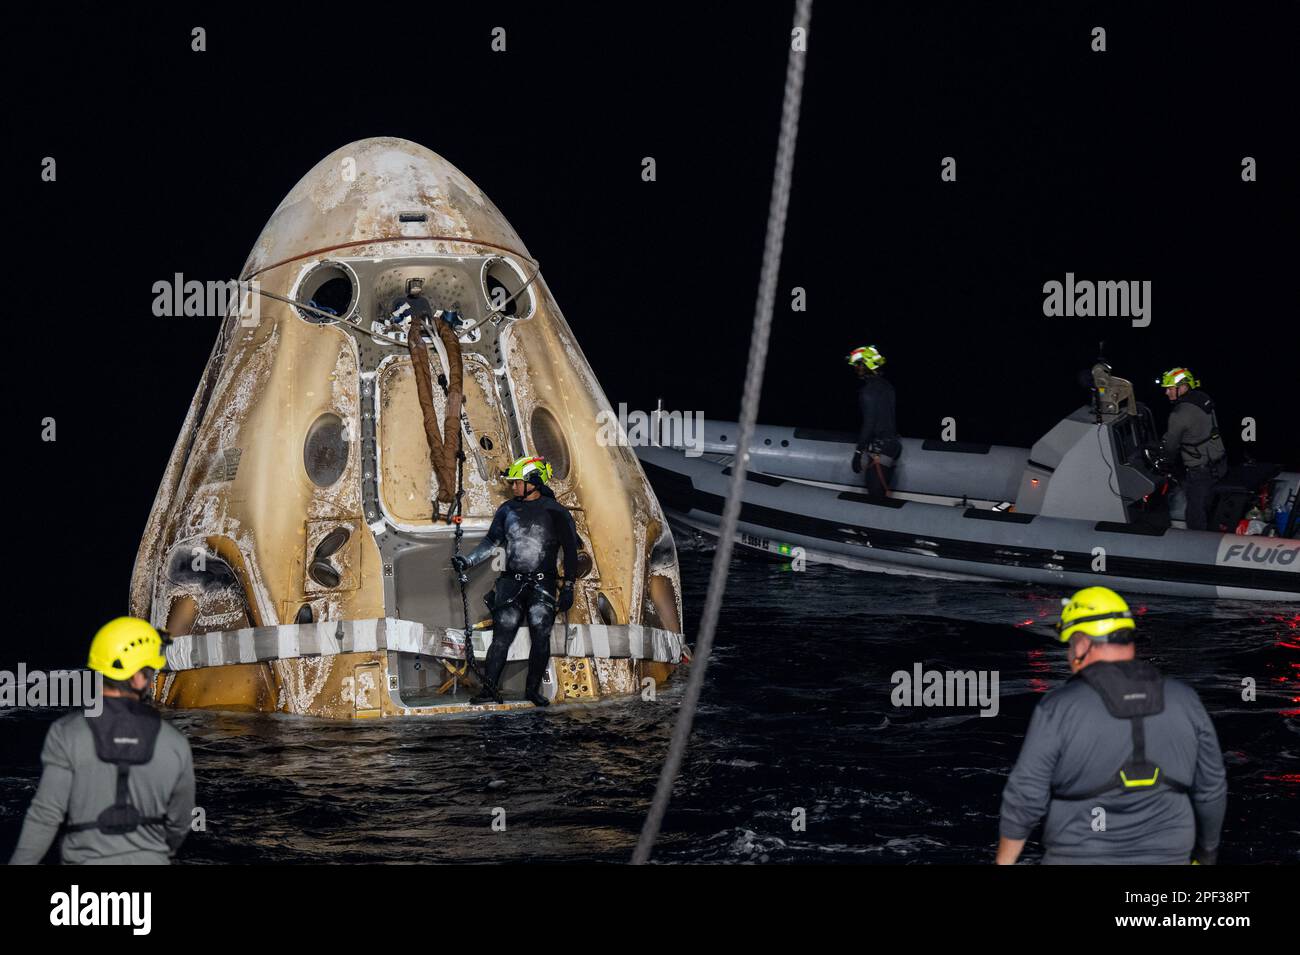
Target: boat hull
column 790, row 518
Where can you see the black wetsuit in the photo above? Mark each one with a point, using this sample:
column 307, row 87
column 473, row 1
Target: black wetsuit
column 1076, row 746
column 532, row 533
column 878, row 434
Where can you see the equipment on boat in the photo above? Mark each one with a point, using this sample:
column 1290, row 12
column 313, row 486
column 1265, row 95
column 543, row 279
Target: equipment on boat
column 1091, row 502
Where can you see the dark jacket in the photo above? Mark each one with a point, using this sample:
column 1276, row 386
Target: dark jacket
column 533, row 533
column 876, row 404
column 1074, row 745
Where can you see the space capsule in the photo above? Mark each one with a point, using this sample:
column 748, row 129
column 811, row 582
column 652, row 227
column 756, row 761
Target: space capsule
column 298, row 548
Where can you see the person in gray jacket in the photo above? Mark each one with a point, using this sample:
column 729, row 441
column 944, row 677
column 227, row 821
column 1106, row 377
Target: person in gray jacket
column 1123, row 762
column 1193, row 436
column 120, row 785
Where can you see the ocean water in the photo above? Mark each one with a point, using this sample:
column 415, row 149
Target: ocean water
column 796, row 715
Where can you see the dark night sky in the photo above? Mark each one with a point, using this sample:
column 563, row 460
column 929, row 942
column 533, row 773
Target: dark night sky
column 1122, row 165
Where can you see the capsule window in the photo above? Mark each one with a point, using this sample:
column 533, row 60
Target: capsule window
column 606, row 610
column 549, row 441
column 325, row 452
column 329, row 288
column 504, row 289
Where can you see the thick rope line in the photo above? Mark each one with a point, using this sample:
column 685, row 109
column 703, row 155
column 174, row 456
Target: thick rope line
column 748, row 416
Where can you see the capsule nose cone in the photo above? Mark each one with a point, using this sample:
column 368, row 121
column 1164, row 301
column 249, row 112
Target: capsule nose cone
column 379, row 189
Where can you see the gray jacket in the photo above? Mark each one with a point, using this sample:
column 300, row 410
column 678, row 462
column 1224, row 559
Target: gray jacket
column 1074, row 745
column 1193, row 432
column 76, row 786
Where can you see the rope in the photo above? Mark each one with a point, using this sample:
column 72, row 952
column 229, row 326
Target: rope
column 455, row 513
column 454, row 516
column 773, row 242
column 500, row 309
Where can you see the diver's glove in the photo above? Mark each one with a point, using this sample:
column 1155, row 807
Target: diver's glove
column 857, row 462
column 566, row 597
column 459, row 564
column 1205, row 856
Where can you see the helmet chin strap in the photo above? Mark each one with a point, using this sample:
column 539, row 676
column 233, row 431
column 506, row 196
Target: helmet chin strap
column 145, row 695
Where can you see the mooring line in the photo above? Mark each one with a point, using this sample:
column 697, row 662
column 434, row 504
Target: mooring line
column 776, row 218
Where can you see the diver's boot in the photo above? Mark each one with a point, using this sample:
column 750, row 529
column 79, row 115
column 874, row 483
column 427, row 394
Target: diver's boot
column 490, row 691
column 533, row 692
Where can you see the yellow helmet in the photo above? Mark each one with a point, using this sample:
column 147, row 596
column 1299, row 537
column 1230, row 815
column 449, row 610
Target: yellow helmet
column 125, row 646
column 1096, row 612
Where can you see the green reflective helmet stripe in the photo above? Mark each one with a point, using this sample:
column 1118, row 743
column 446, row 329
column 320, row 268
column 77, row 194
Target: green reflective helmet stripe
column 522, row 468
column 866, row 355
column 1177, row 376
column 1135, row 783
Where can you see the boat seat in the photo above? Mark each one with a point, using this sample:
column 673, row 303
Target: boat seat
column 1236, row 492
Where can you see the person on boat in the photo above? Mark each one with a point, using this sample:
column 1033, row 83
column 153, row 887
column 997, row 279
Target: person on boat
column 1123, row 762
column 878, row 435
column 1193, row 437
column 533, row 527
column 120, row 784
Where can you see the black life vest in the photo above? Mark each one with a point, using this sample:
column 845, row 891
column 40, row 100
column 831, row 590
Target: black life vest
column 126, row 734
column 1131, row 690
column 1206, row 404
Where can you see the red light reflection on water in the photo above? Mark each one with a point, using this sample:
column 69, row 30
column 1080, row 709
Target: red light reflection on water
column 1038, row 664
column 1291, row 623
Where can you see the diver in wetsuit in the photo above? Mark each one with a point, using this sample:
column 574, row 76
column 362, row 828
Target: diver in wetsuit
column 1121, row 745
column 878, row 435
column 1193, row 434
column 532, row 527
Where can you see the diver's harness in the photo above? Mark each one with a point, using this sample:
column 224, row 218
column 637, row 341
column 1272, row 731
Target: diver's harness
column 124, row 740
column 1133, row 700
column 540, row 581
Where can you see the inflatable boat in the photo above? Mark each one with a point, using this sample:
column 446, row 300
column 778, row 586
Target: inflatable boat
column 1087, row 504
